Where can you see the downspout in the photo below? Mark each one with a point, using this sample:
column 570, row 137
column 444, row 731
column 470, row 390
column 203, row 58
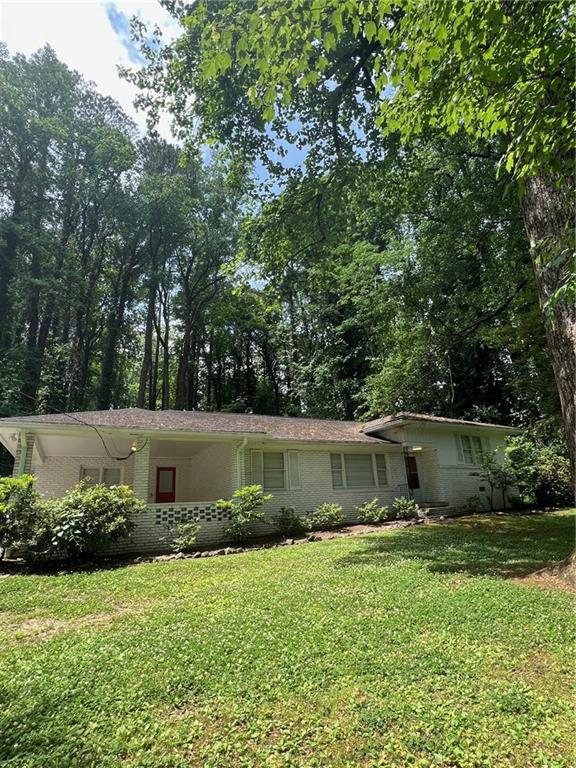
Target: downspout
column 239, row 457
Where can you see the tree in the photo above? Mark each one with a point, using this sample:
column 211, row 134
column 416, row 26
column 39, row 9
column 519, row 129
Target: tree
column 497, row 68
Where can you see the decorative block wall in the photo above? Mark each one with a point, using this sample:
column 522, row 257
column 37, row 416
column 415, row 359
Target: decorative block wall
column 155, row 528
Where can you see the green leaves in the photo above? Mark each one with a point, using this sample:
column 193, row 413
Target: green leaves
column 370, row 30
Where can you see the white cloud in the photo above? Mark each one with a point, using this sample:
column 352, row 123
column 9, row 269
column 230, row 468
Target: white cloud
column 88, row 36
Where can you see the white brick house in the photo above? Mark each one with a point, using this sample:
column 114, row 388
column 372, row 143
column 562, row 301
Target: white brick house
column 180, row 462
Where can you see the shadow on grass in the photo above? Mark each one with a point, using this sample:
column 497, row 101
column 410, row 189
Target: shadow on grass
column 497, row 546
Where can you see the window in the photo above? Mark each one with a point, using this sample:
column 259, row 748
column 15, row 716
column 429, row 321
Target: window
column 276, row 470
column 108, row 476
column 358, row 470
column 337, row 474
column 381, row 469
column 112, row 476
column 469, row 449
column 90, row 474
column 273, row 471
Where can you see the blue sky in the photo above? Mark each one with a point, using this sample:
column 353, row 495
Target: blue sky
column 90, row 36
column 93, row 37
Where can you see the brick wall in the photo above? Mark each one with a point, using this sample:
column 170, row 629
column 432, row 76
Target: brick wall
column 155, row 528
column 460, row 483
column 153, row 525
column 57, row 474
column 316, row 481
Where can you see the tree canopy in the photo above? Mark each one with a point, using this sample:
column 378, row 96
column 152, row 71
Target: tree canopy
column 338, row 77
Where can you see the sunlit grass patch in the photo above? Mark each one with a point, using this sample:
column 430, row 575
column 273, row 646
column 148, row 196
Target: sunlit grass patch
column 406, row 648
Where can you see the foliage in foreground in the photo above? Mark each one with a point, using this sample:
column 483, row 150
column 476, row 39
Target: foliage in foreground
column 542, row 469
column 80, row 524
column 186, row 536
column 372, row 512
column 325, row 654
column 405, row 509
column 325, row 517
column 288, row 522
column 19, row 510
column 244, row 509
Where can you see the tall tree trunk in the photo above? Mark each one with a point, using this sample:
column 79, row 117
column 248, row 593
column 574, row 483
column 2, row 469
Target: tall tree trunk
column 548, row 218
column 147, row 357
column 548, row 215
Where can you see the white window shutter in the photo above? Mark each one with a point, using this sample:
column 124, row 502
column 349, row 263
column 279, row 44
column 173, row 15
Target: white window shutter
column 294, row 481
column 460, row 450
column 257, row 472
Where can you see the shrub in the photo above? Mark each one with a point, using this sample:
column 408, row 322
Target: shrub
column 325, row 517
column 474, row 503
column 244, row 508
column 82, row 522
column 186, row 535
column 405, row 509
column 370, row 512
column 288, row 522
column 19, row 511
column 542, row 469
column 500, row 475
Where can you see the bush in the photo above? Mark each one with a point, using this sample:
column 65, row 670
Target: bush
column 19, row 511
column 82, row 522
column 370, row 512
column 405, row 509
column 186, row 535
column 542, row 469
column 325, row 518
column 474, row 503
column 243, row 509
column 288, row 522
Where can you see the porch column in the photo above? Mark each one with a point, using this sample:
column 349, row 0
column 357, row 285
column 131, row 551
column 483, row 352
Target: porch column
column 142, row 468
column 24, row 450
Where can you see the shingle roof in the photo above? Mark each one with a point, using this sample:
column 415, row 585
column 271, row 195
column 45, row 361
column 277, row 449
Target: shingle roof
column 389, row 421
column 275, row 427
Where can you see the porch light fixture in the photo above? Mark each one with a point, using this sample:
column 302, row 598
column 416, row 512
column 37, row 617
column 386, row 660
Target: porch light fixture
column 416, row 447
column 133, row 447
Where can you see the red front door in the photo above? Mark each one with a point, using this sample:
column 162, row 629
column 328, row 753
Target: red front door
column 165, row 485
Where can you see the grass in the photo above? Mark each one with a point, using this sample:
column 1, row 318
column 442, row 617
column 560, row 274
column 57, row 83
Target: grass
column 406, row 648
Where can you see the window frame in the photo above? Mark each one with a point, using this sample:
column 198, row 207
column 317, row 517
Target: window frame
column 345, row 486
column 284, row 471
column 477, row 452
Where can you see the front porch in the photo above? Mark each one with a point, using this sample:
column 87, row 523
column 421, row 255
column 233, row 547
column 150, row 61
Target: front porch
column 178, row 478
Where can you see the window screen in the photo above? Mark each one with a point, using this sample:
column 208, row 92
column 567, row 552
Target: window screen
column 273, row 471
column 359, row 470
column 111, row 476
column 90, row 474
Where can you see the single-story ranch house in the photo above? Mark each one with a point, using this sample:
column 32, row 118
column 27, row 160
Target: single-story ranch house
column 180, row 462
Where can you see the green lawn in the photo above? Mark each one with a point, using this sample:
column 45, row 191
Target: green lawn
column 406, row 648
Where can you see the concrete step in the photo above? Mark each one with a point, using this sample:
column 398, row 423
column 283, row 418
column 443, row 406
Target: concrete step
column 432, row 504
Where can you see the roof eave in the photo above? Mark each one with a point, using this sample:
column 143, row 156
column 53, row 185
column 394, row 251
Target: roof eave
column 464, row 425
